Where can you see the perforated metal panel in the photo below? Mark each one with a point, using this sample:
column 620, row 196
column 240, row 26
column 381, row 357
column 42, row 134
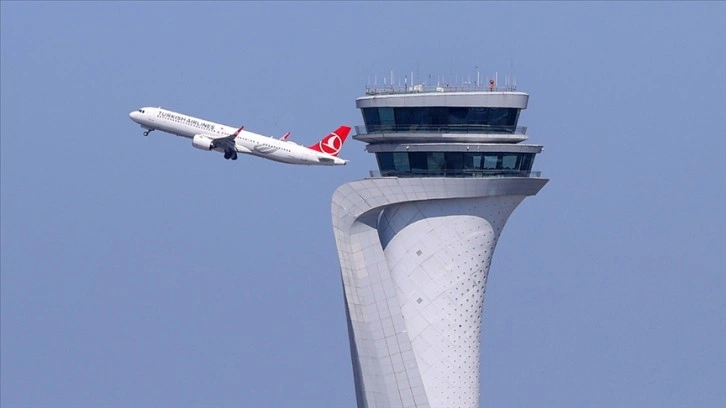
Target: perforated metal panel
column 438, row 253
column 414, row 257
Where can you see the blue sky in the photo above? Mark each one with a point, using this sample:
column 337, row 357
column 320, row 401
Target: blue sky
column 142, row 272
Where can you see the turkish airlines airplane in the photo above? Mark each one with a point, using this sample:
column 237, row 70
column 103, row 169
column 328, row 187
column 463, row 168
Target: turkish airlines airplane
column 208, row 135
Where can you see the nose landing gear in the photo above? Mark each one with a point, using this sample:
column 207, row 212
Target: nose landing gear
column 147, row 132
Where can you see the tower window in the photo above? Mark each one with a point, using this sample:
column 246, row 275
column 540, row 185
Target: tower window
column 440, row 119
column 454, row 164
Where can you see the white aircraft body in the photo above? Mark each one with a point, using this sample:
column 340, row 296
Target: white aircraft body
column 208, row 136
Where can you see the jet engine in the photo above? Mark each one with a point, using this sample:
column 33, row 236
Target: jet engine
column 202, row 142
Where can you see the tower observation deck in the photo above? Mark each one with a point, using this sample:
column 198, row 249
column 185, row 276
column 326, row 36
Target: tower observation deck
column 415, row 239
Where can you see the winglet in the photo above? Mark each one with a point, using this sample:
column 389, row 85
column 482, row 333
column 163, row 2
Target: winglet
column 333, row 142
column 237, row 131
column 285, row 136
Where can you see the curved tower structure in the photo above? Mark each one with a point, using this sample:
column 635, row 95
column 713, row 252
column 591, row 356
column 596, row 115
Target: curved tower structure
column 416, row 238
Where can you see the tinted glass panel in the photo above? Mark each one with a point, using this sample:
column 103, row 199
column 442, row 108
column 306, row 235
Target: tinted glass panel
column 473, row 160
column 437, row 119
column 454, row 161
column 435, row 161
column 418, row 161
column 454, row 164
column 385, row 161
column 405, row 115
column 458, row 116
column 490, row 161
column 400, row 162
column 371, row 118
column 526, row 162
column 386, row 115
column 510, row 161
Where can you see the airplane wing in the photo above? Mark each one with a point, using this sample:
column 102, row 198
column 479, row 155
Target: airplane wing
column 230, row 136
column 226, row 142
column 285, row 136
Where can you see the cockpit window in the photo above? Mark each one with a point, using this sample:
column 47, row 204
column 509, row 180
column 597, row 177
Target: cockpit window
column 141, row 110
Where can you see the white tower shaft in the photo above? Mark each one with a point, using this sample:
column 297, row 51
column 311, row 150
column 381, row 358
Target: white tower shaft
column 415, row 256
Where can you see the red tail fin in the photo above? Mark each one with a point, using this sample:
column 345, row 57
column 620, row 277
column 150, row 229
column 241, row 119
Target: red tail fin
column 332, row 143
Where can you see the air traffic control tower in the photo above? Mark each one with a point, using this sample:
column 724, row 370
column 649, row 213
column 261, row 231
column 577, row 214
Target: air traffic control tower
column 416, row 238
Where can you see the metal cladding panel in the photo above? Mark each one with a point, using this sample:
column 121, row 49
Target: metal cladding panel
column 403, row 353
column 439, row 254
column 381, row 374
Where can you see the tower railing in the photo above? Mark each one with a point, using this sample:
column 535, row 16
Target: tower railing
column 458, row 173
column 421, row 88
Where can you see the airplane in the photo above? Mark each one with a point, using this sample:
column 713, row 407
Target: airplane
column 209, row 136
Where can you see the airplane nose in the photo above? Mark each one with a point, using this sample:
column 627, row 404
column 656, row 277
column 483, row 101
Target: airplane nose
column 134, row 115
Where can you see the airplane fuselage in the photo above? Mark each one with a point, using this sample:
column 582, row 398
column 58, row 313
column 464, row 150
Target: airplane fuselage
column 202, row 132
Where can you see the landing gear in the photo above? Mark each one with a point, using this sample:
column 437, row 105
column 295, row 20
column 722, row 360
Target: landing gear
column 148, row 131
column 230, row 154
